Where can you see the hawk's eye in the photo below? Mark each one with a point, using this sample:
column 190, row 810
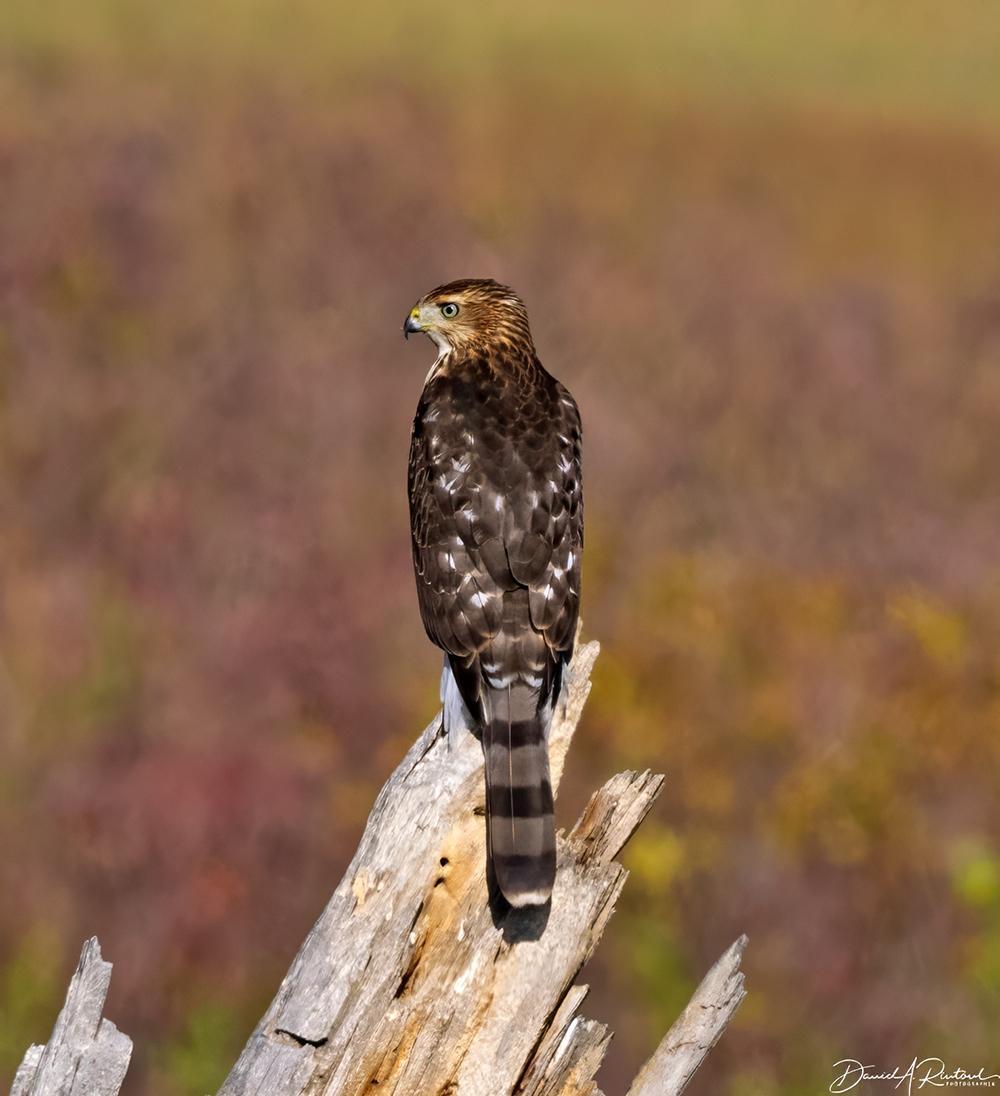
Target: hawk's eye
column 449, row 310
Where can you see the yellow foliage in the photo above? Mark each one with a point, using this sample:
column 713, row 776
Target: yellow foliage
column 940, row 632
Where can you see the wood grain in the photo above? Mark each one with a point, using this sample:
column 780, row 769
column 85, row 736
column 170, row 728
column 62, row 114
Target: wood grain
column 414, row 981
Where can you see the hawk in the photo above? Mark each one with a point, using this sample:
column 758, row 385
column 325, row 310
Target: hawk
column 496, row 517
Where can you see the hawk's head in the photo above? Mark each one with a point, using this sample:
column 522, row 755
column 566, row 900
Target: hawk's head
column 469, row 313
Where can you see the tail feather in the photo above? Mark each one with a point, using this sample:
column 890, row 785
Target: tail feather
column 520, row 816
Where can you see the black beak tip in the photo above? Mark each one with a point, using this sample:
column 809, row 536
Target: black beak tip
column 409, row 326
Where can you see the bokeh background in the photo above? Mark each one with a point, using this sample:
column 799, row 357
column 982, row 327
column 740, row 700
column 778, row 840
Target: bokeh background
column 760, row 242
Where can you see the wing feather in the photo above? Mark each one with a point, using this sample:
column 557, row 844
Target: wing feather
column 496, row 506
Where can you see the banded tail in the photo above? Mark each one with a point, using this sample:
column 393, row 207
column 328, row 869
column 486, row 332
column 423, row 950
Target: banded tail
column 519, row 809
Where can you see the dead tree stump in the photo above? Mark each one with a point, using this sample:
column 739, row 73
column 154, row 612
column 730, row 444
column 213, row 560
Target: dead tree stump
column 411, row 983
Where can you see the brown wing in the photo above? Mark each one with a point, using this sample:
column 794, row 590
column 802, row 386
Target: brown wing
column 449, row 519
column 543, row 530
column 497, row 516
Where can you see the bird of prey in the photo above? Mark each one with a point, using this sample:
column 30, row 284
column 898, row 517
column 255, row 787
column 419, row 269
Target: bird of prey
column 496, row 516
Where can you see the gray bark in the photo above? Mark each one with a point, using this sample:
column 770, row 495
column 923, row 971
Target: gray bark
column 411, row 982
column 697, row 1029
column 409, row 985
column 86, row 1055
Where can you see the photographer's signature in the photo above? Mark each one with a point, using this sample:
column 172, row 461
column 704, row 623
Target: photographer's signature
column 920, row 1074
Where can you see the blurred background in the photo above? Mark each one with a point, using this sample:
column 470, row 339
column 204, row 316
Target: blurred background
column 761, row 244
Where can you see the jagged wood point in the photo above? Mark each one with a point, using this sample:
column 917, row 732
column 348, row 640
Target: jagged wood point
column 411, row 982
column 86, row 1055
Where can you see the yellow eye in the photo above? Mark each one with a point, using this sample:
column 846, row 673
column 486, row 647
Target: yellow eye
column 449, row 310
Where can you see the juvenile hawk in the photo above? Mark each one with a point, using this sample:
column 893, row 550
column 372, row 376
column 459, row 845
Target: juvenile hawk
column 496, row 515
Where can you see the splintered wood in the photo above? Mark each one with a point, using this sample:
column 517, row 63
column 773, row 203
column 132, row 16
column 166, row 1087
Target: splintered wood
column 410, row 983
column 86, row 1055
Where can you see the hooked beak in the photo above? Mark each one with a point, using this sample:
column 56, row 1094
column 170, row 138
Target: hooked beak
column 411, row 326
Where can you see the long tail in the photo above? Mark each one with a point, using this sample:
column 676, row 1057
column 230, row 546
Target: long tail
column 519, row 808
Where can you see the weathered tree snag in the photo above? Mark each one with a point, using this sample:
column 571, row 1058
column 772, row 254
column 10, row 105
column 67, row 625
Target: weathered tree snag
column 86, row 1056
column 411, row 982
column 697, row 1029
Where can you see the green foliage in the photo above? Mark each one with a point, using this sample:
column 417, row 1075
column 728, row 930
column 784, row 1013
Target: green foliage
column 197, row 1061
column 32, row 989
column 907, row 58
column 108, row 680
column 655, row 967
column 976, row 882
